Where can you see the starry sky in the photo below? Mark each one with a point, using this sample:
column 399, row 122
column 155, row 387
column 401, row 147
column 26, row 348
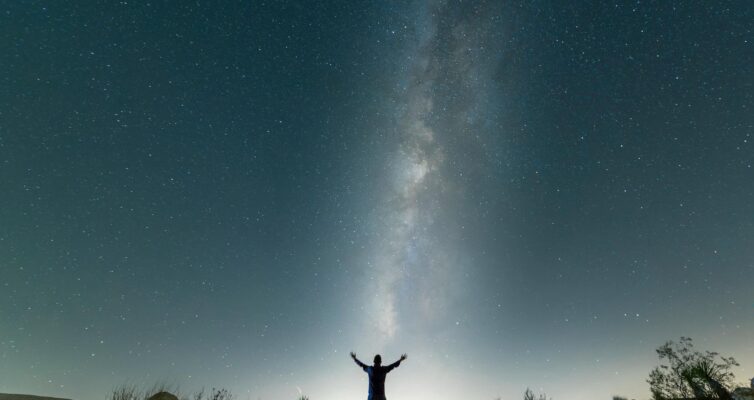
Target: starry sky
column 237, row 194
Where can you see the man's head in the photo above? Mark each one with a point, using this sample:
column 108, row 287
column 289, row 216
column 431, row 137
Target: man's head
column 377, row 360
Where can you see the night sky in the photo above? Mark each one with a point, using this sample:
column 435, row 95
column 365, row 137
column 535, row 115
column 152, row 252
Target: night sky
column 238, row 194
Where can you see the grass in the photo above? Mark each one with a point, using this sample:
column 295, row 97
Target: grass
column 134, row 392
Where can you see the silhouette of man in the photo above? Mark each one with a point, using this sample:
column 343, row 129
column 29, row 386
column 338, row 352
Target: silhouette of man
column 377, row 374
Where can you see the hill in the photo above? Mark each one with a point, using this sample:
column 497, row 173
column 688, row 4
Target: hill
column 6, row 396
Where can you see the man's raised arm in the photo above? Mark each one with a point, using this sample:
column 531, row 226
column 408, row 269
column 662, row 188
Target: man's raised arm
column 397, row 363
column 359, row 363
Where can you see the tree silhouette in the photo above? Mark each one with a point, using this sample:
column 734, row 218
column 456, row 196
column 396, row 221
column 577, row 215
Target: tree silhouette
column 687, row 373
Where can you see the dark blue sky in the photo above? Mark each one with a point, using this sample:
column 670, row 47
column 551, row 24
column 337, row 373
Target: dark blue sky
column 240, row 193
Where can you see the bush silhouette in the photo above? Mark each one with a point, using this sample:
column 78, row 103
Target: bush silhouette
column 688, row 373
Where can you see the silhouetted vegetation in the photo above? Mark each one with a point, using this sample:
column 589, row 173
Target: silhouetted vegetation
column 529, row 395
column 214, row 394
column 133, row 392
column 687, row 373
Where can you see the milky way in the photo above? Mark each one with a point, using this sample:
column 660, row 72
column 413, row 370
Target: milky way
column 412, row 267
column 406, row 249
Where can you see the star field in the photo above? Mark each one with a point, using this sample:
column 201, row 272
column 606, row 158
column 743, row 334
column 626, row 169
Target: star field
column 238, row 194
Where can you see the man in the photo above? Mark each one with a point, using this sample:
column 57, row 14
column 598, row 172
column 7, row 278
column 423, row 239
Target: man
column 377, row 374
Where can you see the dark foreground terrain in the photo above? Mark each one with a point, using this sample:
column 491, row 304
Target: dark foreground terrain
column 6, row 396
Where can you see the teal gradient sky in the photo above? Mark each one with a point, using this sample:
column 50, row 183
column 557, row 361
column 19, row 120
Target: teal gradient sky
column 238, row 194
